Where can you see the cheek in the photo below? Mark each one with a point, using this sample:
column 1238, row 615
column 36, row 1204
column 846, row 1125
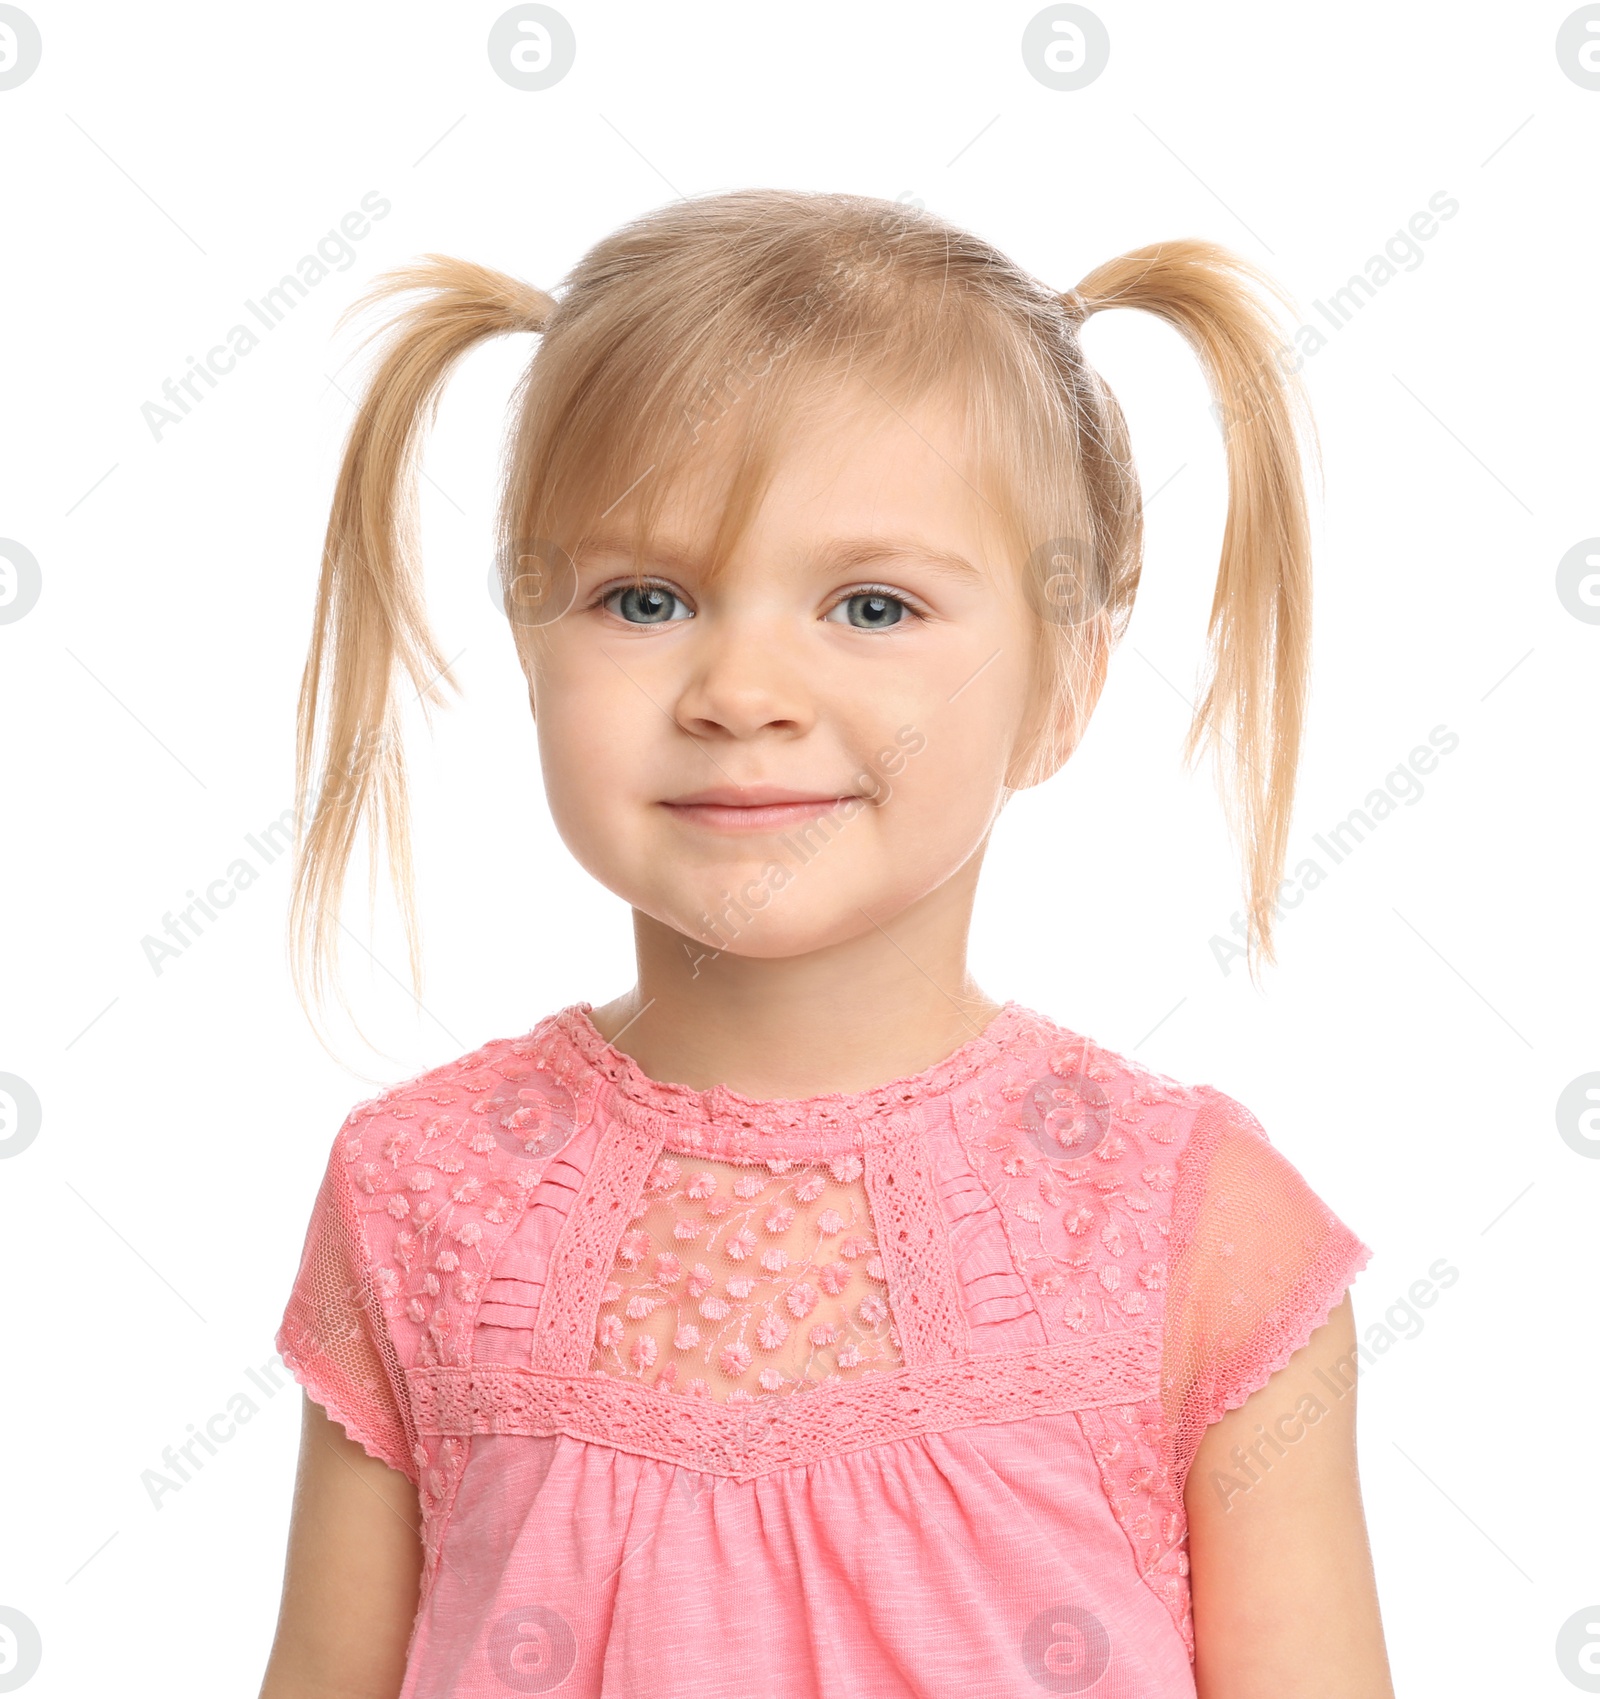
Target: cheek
column 944, row 797
column 592, row 762
column 939, row 789
column 961, row 746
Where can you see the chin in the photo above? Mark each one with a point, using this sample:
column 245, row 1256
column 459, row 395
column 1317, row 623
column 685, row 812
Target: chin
column 787, row 927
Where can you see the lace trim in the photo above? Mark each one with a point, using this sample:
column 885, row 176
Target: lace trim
column 914, row 1243
column 724, row 1122
column 1129, row 1444
column 746, row 1439
column 583, row 1255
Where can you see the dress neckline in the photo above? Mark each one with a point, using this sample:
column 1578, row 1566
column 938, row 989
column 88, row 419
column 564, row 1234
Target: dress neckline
column 730, row 1115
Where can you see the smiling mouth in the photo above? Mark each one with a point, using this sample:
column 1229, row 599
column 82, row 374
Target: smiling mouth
column 757, row 809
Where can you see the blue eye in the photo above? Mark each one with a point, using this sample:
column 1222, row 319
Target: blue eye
column 871, row 610
column 646, row 604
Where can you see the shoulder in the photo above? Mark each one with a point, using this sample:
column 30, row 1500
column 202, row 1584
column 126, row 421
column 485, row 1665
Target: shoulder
column 516, row 1095
column 437, row 1169
column 1080, row 1150
column 1121, row 1088
column 1086, row 1098
column 1061, row 1121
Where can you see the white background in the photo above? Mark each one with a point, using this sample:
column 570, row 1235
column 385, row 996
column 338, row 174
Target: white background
column 1435, row 995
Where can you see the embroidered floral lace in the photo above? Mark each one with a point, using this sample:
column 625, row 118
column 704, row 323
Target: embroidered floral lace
column 738, row 1282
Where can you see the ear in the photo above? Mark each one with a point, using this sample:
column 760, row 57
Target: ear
column 1056, row 727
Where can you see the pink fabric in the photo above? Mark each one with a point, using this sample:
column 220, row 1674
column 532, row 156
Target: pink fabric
column 878, row 1394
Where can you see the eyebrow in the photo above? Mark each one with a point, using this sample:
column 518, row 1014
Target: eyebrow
column 847, row 554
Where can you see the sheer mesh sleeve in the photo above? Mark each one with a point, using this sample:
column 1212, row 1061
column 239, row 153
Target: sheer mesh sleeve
column 333, row 1335
column 1258, row 1262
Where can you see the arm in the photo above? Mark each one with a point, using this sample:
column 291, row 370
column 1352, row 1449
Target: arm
column 352, row 1572
column 1285, row 1602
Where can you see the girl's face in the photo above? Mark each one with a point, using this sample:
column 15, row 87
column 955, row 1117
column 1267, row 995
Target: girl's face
column 771, row 764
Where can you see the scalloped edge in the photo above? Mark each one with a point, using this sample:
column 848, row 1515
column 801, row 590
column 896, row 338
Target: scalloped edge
column 1353, row 1258
column 313, row 1386
column 1328, row 1279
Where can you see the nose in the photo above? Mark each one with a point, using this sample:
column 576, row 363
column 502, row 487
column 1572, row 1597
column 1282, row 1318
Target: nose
column 744, row 681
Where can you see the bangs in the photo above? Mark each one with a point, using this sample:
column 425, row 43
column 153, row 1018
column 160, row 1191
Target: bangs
column 694, row 376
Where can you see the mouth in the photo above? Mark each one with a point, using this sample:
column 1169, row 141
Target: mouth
column 756, row 808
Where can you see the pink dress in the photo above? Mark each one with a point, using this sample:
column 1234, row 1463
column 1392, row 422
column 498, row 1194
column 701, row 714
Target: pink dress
column 870, row 1395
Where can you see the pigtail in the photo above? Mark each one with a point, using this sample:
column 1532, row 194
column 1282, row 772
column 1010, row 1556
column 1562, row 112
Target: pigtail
column 370, row 619
column 1253, row 702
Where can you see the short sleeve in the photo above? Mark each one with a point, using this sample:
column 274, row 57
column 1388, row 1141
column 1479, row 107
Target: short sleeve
column 1258, row 1262
column 333, row 1336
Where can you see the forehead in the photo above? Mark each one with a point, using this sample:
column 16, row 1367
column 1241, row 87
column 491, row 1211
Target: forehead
column 856, row 480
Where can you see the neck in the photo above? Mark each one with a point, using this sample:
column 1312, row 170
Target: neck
column 890, row 1001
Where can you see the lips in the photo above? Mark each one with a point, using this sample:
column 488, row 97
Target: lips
column 754, row 808
column 749, row 796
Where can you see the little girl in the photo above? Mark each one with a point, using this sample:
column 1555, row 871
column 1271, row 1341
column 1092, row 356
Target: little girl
column 804, row 1323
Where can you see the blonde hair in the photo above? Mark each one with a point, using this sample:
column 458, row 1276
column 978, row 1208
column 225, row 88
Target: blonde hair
column 720, row 320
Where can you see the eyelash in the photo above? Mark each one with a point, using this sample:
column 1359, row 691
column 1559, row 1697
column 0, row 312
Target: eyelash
column 911, row 607
column 606, row 592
